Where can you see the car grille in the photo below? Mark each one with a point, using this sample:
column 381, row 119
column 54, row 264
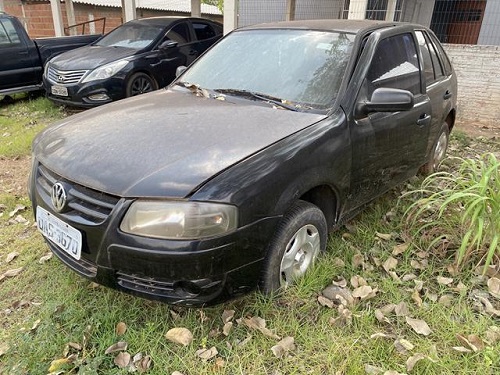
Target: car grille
column 145, row 285
column 65, row 77
column 92, row 205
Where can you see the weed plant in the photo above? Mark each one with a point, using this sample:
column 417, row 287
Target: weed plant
column 465, row 203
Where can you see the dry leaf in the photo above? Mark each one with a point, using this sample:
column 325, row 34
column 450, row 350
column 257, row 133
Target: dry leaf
column 494, row 287
column 390, row 264
column 283, row 347
column 35, row 325
column 419, row 326
column 260, row 325
column 460, row 288
column 401, row 309
column 13, row 272
column 392, row 372
column 412, row 361
column 381, row 317
column 122, row 360
column 219, row 363
column 493, row 335
column 383, row 236
column 358, row 260
column 11, row 256
column 227, row 316
column 4, row 348
column 338, row 262
column 342, row 283
column 177, row 373
column 409, row 277
column 446, row 299
column 227, row 328
column 206, row 354
column 444, row 280
column 325, row 302
column 419, row 284
column 387, row 309
column 143, row 364
column 418, row 265
column 75, row 346
column 373, row 370
column 120, row 329
column 400, row 249
column 45, row 258
column 381, row 335
column 461, row 349
column 120, row 345
column 17, row 209
column 402, row 345
column 415, row 296
column 364, row 292
column 58, row 364
column 180, row 335
column 472, row 342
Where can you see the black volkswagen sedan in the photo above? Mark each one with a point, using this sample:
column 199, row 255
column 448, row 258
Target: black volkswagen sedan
column 232, row 177
column 136, row 57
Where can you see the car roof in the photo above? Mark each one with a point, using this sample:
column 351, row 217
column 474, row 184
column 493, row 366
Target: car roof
column 166, row 20
column 349, row 26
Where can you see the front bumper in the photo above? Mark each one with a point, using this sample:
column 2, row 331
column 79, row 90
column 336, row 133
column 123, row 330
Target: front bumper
column 81, row 94
column 192, row 273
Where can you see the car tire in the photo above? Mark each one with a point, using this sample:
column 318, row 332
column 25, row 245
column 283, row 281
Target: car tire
column 140, row 83
column 300, row 237
column 438, row 152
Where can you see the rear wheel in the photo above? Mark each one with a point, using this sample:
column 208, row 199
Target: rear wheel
column 438, row 152
column 300, row 237
column 140, row 83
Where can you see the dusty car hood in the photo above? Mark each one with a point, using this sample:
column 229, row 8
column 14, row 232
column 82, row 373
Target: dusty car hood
column 165, row 143
column 90, row 57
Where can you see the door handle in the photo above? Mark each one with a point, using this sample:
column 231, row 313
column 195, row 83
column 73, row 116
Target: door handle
column 424, row 119
column 23, row 52
column 447, row 95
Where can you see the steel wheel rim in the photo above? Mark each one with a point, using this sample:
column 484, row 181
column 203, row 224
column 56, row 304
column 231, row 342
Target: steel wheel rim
column 141, row 85
column 440, row 150
column 300, row 253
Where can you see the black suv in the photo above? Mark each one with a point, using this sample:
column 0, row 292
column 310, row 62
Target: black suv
column 232, row 176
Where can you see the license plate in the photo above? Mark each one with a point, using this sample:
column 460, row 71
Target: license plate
column 63, row 235
column 59, row 90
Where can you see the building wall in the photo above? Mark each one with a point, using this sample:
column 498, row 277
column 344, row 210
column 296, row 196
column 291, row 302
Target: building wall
column 418, row 11
column 37, row 17
column 490, row 30
column 478, row 82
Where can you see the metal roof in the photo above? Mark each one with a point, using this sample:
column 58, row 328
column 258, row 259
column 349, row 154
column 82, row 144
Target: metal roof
column 183, row 6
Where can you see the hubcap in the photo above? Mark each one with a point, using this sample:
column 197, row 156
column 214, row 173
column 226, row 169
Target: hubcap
column 300, row 253
column 440, row 150
column 140, row 86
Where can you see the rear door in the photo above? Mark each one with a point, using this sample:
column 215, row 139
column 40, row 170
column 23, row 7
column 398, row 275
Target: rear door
column 18, row 62
column 206, row 34
column 388, row 147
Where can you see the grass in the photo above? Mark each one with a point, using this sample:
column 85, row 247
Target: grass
column 71, row 310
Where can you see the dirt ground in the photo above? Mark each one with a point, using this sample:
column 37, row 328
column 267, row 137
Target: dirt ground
column 14, row 172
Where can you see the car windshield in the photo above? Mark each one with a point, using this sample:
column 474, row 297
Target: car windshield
column 131, row 35
column 299, row 66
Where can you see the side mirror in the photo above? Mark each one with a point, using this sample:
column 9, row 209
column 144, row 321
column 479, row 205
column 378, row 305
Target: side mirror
column 387, row 100
column 168, row 44
column 180, row 70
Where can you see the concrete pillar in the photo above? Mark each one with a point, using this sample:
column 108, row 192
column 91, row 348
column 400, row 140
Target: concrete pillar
column 391, row 10
column 129, row 10
column 55, row 6
column 70, row 14
column 290, row 10
column 2, row 8
column 357, row 9
column 195, row 8
column 230, row 15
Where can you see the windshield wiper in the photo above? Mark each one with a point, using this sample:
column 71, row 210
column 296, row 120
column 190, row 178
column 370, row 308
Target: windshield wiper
column 262, row 97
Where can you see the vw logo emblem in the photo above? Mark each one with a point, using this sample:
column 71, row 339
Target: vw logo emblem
column 60, row 78
column 58, row 196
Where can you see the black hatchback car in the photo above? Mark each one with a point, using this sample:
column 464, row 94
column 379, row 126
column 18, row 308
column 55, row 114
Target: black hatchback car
column 232, row 176
column 136, row 57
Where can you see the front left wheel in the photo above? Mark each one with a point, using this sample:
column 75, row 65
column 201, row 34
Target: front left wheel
column 140, row 83
column 299, row 239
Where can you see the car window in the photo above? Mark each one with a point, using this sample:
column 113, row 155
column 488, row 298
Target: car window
column 131, row 35
column 438, row 69
column 8, row 34
column 426, row 57
column 203, row 30
column 179, row 33
column 444, row 57
column 395, row 65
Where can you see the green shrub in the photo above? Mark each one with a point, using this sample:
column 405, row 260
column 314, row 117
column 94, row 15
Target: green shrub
column 466, row 203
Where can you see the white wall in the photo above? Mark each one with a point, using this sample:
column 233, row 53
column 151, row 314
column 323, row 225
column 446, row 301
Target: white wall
column 418, row 11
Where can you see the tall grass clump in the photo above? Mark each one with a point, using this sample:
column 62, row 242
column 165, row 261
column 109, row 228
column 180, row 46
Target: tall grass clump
column 465, row 202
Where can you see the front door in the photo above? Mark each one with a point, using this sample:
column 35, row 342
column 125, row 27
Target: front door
column 389, row 147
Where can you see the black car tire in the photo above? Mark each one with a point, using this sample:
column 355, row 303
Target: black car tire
column 300, row 237
column 140, row 83
column 438, row 152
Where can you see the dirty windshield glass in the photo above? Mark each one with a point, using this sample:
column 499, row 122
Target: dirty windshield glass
column 300, row 66
column 131, row 35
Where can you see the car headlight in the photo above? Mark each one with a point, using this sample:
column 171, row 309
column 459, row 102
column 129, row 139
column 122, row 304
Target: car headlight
column 179, row 220
column 105, row 71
